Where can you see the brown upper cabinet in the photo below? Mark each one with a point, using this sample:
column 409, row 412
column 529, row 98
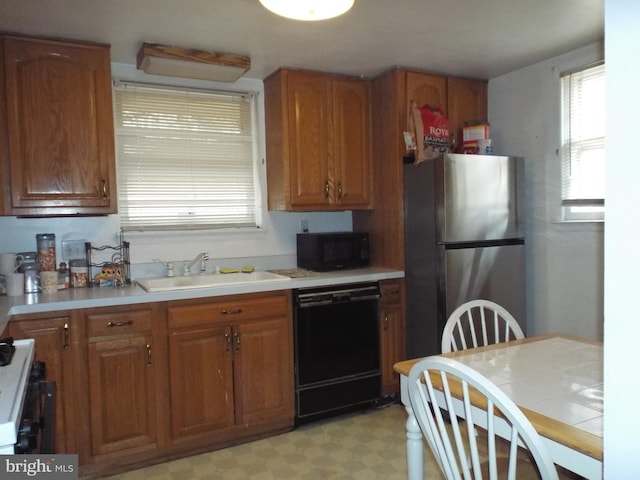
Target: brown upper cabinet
column 318, row 141
column 58, row 154
column 392, row 92
column 466, row 102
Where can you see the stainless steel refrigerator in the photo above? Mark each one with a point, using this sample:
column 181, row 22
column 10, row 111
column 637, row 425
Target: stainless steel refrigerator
column 464, row 239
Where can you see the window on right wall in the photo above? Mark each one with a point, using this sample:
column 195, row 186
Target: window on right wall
column 583, row 144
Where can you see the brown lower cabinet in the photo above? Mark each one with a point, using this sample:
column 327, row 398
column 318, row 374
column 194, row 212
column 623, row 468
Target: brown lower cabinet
column 141, row 384
column 230, row 366
column 56, row 340
column 122, row 371
column 392, row 338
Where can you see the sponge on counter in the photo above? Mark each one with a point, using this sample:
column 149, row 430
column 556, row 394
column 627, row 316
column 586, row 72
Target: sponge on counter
column 229, row 270
column 247, row 269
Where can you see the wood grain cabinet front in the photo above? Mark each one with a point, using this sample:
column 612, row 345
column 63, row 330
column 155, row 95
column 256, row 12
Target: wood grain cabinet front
column 230, row 366
column 56, row 341
column 466, row 102
column 122, row 374
column 58, row 115
column 318, row 141
column 392, row 338
column 463, row 100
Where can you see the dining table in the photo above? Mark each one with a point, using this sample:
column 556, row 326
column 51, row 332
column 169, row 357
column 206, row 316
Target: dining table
column 557, row 382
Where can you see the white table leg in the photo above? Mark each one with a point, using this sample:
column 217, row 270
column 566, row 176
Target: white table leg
column 415, row 448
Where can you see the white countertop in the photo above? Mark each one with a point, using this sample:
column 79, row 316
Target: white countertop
column 106, row 296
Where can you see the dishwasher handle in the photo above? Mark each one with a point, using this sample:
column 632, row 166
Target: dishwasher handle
column 334, row 300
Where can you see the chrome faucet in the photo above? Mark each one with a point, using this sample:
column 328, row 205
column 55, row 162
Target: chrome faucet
column 168, row 266
column 202, row 258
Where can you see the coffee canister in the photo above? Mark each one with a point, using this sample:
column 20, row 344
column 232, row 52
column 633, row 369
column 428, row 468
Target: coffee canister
column 27, row 258
column 31, row 277
column 46, row 251
column 79, row 273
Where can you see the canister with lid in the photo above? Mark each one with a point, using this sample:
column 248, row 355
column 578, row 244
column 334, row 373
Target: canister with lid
column 63, row 276
column 79, row 273
column 31, row 277
column 27, row 257
column 46, row 251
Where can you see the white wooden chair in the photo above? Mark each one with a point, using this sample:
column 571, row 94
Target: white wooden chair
column 454, row 442
column 478, row 323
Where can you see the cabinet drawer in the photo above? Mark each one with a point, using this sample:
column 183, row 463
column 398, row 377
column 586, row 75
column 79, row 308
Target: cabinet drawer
column 118, row 323
column 228, row 310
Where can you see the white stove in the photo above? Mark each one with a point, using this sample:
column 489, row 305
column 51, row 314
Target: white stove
column 14, row 379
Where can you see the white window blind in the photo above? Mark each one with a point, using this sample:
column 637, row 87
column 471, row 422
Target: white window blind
column 185, row 158
column 583, row 143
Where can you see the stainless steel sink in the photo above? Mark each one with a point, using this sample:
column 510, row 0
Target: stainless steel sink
column 166, row 284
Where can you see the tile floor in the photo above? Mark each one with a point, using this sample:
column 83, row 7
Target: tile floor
column 362, row 446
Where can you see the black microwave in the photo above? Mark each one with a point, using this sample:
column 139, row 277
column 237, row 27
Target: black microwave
column 332, row 251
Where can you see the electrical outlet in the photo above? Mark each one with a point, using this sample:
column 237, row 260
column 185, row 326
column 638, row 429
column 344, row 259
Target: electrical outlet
column 73, row 249
column 304, row 226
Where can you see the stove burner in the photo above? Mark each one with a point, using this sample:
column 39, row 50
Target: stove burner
column 6, row 351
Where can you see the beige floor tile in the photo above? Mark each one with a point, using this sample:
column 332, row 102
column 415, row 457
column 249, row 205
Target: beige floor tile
column 361, row 446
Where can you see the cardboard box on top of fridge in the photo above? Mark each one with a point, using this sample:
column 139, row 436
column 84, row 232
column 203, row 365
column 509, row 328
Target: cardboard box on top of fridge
column 471, row 135
column 475, row 133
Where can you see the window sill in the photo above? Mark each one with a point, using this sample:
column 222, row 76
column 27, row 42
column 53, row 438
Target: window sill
column 579, row 225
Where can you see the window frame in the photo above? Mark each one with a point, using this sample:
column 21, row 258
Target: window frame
column 577, row 209
column 258, row 181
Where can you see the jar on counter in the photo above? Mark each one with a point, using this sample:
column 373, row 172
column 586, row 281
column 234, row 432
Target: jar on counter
column 46, row 251
column 31, row 277
column 27, row 258
column 63, row 276
column 79, row 274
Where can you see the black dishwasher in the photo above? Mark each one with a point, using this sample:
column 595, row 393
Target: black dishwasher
column 337, row 350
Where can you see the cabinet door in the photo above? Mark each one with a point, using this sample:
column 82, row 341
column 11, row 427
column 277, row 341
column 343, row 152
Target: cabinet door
column 350, row 173
column 263, row 353
column 201, row 381
column 391, row 334
column 426, row 89
column 308, row 121
column 122, row 394
column 53, row 344
column 60, row 127
column 467, row 102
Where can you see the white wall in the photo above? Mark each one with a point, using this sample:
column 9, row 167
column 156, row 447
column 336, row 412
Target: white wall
column 622, row 256
column 564, row 260
column 272, row 246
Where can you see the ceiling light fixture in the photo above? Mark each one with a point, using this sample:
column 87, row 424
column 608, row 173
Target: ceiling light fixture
column 188, row 63
column 308, row 10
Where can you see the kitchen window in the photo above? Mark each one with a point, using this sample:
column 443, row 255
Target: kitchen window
column 186, row 158
column 583, row 144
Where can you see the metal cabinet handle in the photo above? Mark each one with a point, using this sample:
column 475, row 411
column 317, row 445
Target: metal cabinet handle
column 103, row 189
column 237, row 311
column 229, row 341
column 326, row 189
column 386, row 321
column 119, row 324
column 340, row 191
column 236, row 336
column 148, row 355
column 65, row 332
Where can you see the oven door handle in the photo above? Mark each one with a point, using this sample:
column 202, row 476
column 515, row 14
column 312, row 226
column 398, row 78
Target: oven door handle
column 47, row 417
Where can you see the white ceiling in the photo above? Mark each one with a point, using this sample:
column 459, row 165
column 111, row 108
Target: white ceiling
column 470, row 38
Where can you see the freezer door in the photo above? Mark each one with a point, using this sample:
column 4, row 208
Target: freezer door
column 479, row 197
column 495, row 273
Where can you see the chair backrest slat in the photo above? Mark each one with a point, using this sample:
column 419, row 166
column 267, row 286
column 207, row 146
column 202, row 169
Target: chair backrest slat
column 479, row 319
column 438, row 384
